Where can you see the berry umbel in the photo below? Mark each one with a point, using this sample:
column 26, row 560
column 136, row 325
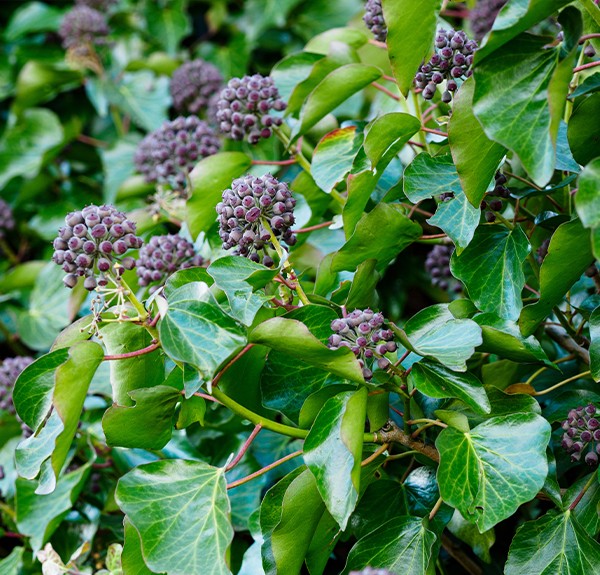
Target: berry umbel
column 192, row 86
column 167, row 155
column 163, row 256
column 83, row 26
column 371, row 571
column 373, row 18
column 92, row 242
column 10, row 369
column 582, row 430
column 451, row 62
column 247, row 206
column 7, row 221
column 437, row 265
column 364, row 332
column 245, row 105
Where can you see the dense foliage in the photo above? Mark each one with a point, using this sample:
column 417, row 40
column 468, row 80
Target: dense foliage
column 299, row 287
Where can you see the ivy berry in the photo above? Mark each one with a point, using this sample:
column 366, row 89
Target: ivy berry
column 582, row 429
column 373, row 18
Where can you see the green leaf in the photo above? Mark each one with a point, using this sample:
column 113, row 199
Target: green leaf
column 428, row 176
column 210, row 177
column 118, row 165
column 587, row 199
column 333, row 449
column 411, row 29
column 238, row 278
column 25, row 144
column 458, row 218
column 569, row 255
column 32, row 17
column 334, row 155
column 492, row 269
column 293, row 70
column 192, row 411
column 381, row 234
column 362, row 292
column 201, row 334
column 435, row 380
column 131, row 558
column 554, row 543
column 334, row 89
column 476, row 157
column 503, row 337
column 589, row 85
column 435, row 333
column 402, row 545
column 584, row 129
column 12, row 564
column 586, row 510
column 42, row 81
column 168, row 24
column 503, row 455
column 146, row 425
column 321, row 44
column 293, row 337
column 181, row 511
column 511, row 102
column 595, row 344
column 468, row 533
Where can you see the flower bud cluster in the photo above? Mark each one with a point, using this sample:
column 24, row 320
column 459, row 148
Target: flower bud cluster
column 247, row 205
column 451, row 61
column 245, row 106
column 483, row 16
column 10, row 369
column 163, row 256
column 193, row 84
column 437, row 265
column 91, row 242
column 83, row 25
column 373, row 18
column 499, row 192
column 363, row 331
column 582, row 429
column 7, row 221
column 167, row 155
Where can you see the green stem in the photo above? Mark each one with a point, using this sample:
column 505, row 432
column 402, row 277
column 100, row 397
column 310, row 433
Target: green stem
column 114, row 112
column 564, row 321
column 563, row 382
column 406, row 417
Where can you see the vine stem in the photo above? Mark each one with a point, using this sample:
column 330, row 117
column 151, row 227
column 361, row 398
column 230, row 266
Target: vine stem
column 313, row 228
column 563, row 382
column 374, row 455
column 387, row 92
column 149, row 349
column 10, row 254
column 436, row 508
column 401, row 455
column 221, row 373
column 588, row 37
column 264, row 470
column 274, row 162
column 586, row 66
column 378, row 43
column 244, row 447
column 580, row 495
column 434, row 131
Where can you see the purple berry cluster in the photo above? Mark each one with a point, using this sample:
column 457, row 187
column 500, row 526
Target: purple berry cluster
column 193, row 84
column 437, row 265
column 245, row 105
column 495, row 204
column 249, row 203
column 91, row 242
column 101, row 5
column 373, row 18
column 451, row 61
column 483, row 16
column 363, row 331
column 10, row 369
column 542, row 251
column 582, row 429
column 167, row 155
column 371, row 571
column 163, row 256
column 7, row 221
column 82, row 26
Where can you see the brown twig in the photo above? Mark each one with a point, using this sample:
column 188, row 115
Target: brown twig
column 563, row 339
column 313, row 228
column 153, row 346
column 586, row 66
column 221, row 373
column 391, row 433
column 244, row 447
column 433, row 131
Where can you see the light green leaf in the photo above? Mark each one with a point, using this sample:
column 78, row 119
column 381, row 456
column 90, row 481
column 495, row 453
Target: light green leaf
column 32, row 17
column 403, row 545
column 42, row 81
column 411, row 30
column 435, row 380
column 595, row 344
column 569, row 255
column 587, row 199
column 492, row 269
column 500, row 464
column 131, row 558
column 321, row 44
column 553, row 544
column 168, row 24
column 192, row 411
column 12, row 564
column 333, row 449
column 458, row 218
column 181, row 511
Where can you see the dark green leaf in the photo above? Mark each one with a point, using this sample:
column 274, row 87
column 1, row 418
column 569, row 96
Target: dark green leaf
column 168, row 24
column 584, row 129
column 458, row 218
column 42, row 81
column 131, row 558
column 587, row 200
column 428, row 176
column 467, row 532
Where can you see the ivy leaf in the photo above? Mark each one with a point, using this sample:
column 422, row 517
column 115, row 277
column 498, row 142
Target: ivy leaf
column 402, row 545
column 209, row 178
column 499, row 456
column 587, row 199
column 201, row 334
column 409, row 44
column 435, row 380
column 146, row 425
column 428, row 176
column 333, row 449
column 293, row 337
column 586, row 510
column 492, row 269
column 595, row 344
column 554, row 543
column 569, row 255
column 476, row 157
column 33, row 17
column 292, row 71
column 458, row 218
column 511, row 102
column 583, row 129
column 238, row 278
column 181, row 511
column 192, row 411
column 131, row 558
column 12, row 564
column 168, row 24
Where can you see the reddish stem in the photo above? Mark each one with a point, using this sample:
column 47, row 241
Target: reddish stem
column 92, row 141
column 404, row 356
column 244, row 447
column 104, row 465
column 433, row 237
column 432, row 131
column 264, row 470
column 388, row 78
column 153, row 346
column 385, row 91
column 154, row 320
column 219, row 375
column 378, row 43
column 537, row 293
column 588, row 37
column 274, row 162
column 312, row 228
column 417, row 144
column 204, row 396
column 13, row 535
column 586, row 66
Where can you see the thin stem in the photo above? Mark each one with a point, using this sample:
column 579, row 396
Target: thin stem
column 434, row 131
column 420, row 430
column 378, row 43
column 204, row 396
column 588, row 37
column 135, row 302
column 274, row 162
column 393, row 434
column 535, row 374
column 563, row 382
column 436, row 508
column 244, row 447
column 406, row 417
column 264, row 470
column 149, row 349
column 417, row 106
column 313, row 228
column 427, row 420
column 385, row 91
column 401, row 455
column 221, row 373
column 433, row 237
column 564, row 321
column 521, row 179
column 404, row 356
column 580, row 495
column 8, row 251
column 374, row 455
column 388, row 78
column 537, row 293
column 586, row 66
column 508, row 224
column 92, row 141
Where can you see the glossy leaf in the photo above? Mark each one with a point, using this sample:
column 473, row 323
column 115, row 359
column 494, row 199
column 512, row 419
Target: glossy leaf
column 387, row 135
column 181, row 511
column 501, row 455
column 458, row 218
column 333, row 449
column 32, row 17
column 595, row 344
column 583, row 129
column 131, row 558
column 11, row 565
column 569, row 255
column 587, row 200
column 492, row 269
column 428, row 176
column 167, row 24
